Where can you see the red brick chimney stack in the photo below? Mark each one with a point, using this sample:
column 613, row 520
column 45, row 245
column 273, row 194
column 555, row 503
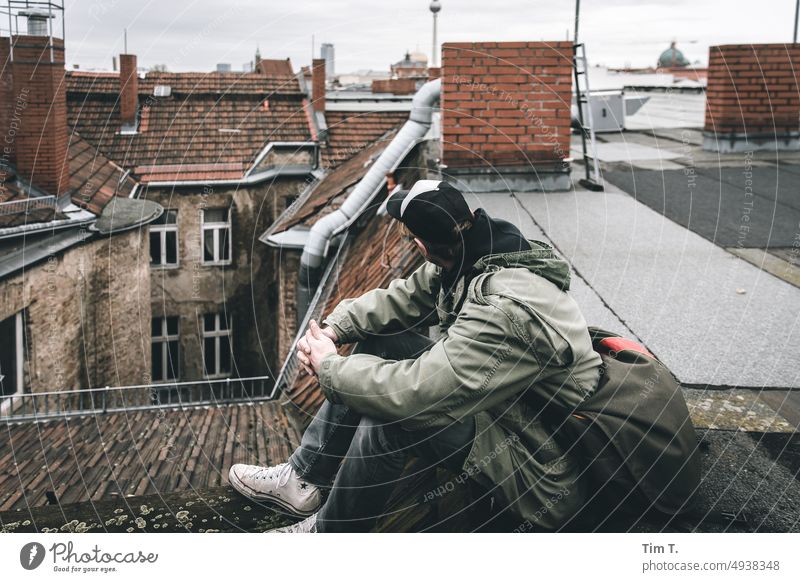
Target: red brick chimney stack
column 128, row 90
column 39, row 91
column 7, row 138
column 318, row 84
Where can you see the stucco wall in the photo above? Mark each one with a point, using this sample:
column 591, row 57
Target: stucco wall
column 246, row 289
column 87, row 314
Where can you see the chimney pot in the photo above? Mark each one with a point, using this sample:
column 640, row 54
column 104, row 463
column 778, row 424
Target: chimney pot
column 128, row 92
column 318, row 84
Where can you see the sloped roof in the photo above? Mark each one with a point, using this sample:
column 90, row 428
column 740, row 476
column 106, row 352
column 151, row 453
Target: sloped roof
column 188, row 83
column 330, row 192
column 350, row 131
column 212, row 126
column 275, row 67
column 372, row 259
column 137, row 453
column 94, row 179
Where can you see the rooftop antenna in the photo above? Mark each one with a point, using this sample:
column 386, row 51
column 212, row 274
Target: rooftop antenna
column 796, row 17
column 312, row 48
column 125, row 41
column 435, row 7
column 580, row 68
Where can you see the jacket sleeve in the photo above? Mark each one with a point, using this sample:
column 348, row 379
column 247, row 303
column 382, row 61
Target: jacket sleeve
column 481, row 362
column 403, row 304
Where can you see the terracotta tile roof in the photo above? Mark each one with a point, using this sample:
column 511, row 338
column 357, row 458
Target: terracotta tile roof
column 95, row 179
column 275, row 67
column 208, row 124
column 188, row 83
column 330, row 192
column 350, row 131
column 374, row 257
column 137, row 453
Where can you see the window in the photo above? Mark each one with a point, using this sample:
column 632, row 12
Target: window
column 288, row 201
column 165, row 342
column 12, row 356
column 216, row 345
column 216, row 236
column 164, row 240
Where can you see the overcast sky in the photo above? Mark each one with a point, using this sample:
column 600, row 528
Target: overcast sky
column 194, row 35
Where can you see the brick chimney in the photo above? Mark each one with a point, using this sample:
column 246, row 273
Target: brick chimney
column 6, row 103
column 752, row 99
column 128, row 92
column 39, row 90
column 506, row 103
column 318, row 84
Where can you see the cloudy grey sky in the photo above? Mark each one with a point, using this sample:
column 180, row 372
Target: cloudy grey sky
column 196, row 34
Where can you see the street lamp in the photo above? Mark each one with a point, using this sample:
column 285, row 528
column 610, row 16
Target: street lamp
column 435, row 7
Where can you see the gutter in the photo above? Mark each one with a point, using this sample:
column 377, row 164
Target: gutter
column 251, row 176
column 320, row 235
column 251, row 179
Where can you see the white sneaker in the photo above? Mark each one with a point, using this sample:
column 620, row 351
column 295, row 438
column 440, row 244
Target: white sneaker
column 308, row 525
column 279, row 484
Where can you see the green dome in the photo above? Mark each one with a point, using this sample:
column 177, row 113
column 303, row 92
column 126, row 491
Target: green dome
column 672, row 57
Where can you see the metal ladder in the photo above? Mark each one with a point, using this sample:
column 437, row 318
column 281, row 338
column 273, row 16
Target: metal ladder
column 580, row 66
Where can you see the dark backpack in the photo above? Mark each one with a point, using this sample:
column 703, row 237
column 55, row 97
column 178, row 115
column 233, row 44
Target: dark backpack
column 634, row 436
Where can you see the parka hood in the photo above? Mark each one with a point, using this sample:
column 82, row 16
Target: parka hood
column 540, row 260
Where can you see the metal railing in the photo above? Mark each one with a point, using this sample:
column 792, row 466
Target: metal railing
column 27, row 204
column 81, row 402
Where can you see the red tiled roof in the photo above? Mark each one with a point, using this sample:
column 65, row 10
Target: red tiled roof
column 376, row 256
column 275, row 67
column 331, row 191
column 94, row 179
column 349, row 132
column 213, row 121
column 137, row 453
column 188, row 83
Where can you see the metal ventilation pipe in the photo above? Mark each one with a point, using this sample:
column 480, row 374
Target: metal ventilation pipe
column 419, row 121
column 37, row 22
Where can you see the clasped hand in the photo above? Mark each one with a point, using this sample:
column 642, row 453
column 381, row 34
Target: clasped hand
column 314, row 346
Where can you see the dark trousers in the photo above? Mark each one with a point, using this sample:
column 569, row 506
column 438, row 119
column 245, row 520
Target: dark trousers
column 364, row 457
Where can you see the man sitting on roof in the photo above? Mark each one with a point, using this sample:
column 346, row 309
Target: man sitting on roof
column 509, row 329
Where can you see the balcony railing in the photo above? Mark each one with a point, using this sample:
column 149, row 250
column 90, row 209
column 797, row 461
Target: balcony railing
column 69, row 403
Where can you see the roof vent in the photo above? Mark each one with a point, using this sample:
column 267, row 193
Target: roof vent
column 37, row 22
column 162, row 91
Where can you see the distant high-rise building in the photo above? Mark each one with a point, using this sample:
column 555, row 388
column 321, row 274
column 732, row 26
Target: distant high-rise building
column 326, row 52
column 223, row 67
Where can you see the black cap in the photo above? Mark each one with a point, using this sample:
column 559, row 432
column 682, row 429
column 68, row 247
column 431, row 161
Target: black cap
column 430, row 210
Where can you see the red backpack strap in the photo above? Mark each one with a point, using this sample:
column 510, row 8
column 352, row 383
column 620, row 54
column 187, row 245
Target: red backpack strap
column 619, row 344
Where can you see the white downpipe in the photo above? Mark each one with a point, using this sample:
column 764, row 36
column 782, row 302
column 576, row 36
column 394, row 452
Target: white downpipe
column 416, row 127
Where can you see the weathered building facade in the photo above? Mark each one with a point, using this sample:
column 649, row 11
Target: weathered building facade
column 74, row 285
column 224, row 154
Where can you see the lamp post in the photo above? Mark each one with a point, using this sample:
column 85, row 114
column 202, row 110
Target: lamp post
column 796, row 16
column 435, row 7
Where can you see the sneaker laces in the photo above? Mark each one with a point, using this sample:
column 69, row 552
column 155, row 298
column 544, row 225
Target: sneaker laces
column 282, row 473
